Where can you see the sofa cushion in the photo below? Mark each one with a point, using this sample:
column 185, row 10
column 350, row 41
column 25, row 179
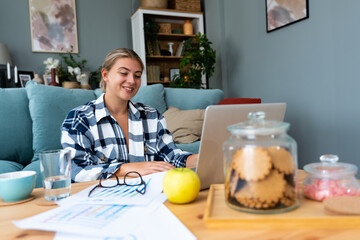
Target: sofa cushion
column 152, row 95
column 186, row 99
column 48, row 107
column 184, row 125
column 98, row 92
column 15, row 126
column 190, row 147
column 35, row 166
column 10, row 166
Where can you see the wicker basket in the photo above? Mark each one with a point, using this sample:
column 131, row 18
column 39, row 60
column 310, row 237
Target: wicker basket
column 185, row 5
column 164, row 28
column 154, row 3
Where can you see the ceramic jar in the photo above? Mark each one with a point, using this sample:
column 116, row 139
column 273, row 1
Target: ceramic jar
column 260, row 161
column 188, row 28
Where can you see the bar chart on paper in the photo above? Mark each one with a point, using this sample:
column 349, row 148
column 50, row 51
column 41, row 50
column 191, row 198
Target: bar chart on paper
column 119, row 191
column 92, row 216
column 121, row 194
column 88, row 219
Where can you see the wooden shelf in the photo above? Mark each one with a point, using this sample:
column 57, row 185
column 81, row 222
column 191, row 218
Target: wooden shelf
column 165, row 57
column 174, row 36
column 166, row 10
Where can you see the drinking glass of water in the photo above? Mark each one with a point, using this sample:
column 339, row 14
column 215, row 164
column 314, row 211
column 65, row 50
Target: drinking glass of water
column 56, row 173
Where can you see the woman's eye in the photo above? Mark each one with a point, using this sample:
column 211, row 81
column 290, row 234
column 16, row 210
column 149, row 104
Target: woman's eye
column 137, row 76
column 123, row 73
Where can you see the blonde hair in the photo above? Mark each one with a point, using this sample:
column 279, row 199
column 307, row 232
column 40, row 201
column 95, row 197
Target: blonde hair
column 111, row 58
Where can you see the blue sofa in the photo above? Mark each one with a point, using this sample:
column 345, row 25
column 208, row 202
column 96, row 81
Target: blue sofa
column 30, row 117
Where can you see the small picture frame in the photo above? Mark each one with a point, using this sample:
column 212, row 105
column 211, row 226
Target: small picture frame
column 24, row 77
column 47, row 79
column 173, row 72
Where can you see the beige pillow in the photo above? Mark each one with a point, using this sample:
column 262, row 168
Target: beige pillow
column 184, row 125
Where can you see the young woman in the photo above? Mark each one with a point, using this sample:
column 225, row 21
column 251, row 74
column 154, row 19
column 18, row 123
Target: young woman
column 113, row 134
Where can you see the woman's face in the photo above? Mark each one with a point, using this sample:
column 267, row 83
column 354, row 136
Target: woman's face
column 124, row 78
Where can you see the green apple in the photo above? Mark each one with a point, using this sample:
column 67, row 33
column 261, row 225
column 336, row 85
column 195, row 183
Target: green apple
column 181, row 185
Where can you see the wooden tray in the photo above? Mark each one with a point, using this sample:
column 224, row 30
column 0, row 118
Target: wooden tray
column 310, row 214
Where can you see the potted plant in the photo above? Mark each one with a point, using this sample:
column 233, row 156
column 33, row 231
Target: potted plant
column 151, row 29
column 199, row 59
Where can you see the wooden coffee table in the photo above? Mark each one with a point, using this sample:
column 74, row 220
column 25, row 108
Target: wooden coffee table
column 191, row 215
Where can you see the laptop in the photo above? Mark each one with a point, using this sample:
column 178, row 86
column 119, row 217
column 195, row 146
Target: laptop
column 209, row 166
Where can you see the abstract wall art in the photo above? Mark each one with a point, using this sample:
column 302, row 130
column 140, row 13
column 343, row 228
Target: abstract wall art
column 53, row 26
column 281, row 13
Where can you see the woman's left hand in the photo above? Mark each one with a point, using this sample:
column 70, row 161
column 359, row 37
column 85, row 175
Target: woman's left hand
column 191, row 161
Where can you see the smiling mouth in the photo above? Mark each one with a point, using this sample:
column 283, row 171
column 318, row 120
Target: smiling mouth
column 129, row 89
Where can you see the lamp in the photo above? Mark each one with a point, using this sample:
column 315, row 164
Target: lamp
column 4, row 55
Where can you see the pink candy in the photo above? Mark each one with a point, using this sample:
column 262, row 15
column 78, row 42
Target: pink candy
column 321, row 189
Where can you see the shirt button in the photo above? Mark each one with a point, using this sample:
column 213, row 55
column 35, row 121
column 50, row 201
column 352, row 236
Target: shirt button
column 146, row 149
column 102, row 158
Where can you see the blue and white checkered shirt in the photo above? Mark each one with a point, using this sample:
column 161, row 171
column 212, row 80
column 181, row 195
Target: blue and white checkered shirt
column 98, row 144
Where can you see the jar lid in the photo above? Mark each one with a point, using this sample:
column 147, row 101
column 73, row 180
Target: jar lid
column 258, row 126
column 330, row 167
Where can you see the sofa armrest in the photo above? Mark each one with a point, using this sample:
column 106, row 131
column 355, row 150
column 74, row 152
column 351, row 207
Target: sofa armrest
column 239, row 101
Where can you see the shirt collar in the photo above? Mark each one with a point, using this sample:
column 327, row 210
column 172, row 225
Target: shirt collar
column 102, row 112
column 133, row 109
column 100, row 109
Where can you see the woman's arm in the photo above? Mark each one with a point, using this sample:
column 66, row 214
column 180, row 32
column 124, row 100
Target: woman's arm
column 86, row 165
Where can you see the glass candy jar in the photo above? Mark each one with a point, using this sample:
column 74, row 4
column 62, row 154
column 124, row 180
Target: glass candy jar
column 330, row 178
column 260, row 162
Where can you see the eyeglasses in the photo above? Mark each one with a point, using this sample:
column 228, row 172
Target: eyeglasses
column 130, row 179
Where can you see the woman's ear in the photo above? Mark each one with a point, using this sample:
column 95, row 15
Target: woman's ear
column 104, row 74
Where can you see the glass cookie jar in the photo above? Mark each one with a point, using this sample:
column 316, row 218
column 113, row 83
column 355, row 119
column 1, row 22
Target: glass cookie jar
column 330, row 178
column 260, row 161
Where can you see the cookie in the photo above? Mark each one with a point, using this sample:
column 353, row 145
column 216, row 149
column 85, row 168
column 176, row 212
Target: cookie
column 347, row 205
column 270, row 189
column 243, row 194
column 281, row 159
column 252, row 163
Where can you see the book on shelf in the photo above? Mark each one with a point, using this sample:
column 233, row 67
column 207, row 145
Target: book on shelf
column 153, row 73
column 179, row 50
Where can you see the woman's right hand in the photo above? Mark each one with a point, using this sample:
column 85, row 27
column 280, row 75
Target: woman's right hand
column 144, row 168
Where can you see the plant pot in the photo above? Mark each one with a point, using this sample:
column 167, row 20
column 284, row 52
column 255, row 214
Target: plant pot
column 70, row 85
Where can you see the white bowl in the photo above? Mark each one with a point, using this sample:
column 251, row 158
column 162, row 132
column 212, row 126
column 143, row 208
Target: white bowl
column 17, row 186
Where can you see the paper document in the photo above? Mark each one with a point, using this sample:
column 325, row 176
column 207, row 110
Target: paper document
column 122, row 194
column 91, row 219
column 154, row 221
column 161, row 225
column 129, row 216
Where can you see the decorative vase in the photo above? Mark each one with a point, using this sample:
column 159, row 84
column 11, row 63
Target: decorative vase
column 188, row 28
column 84, row 81
column 53, row 78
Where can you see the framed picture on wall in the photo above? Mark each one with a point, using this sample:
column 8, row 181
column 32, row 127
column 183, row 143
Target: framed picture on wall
column 24, row 77
column 53, row 26
column 281, row 13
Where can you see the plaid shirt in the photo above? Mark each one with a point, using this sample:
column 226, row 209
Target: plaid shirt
column 98, row 144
